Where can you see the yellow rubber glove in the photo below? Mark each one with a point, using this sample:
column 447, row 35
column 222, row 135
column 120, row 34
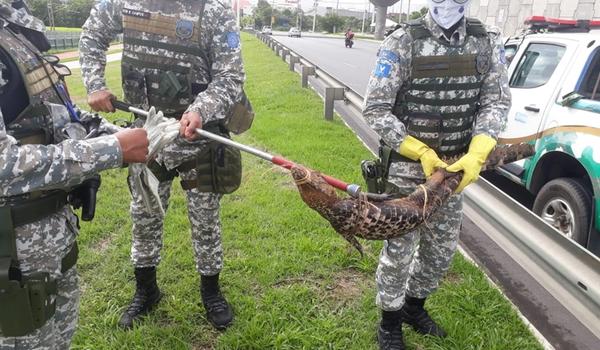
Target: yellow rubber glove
column 470, row 164
column 416, row 150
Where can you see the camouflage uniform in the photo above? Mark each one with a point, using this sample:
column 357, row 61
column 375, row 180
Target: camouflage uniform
column 414, row 263
column 199, row 43
column 34, row 170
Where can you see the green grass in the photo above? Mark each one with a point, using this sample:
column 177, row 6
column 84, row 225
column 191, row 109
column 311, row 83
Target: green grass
column 293, row 282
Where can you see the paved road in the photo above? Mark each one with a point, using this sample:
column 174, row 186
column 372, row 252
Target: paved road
column 109, row 58
column 553, row 320
column 351, row 66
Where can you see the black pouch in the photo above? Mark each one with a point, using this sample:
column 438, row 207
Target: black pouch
column 219, row 169
column 375, row 172
column 26, row 304
column 134, row 86
column 240, row 116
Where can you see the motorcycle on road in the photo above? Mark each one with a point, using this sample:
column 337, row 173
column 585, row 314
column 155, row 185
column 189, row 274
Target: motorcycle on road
column 348, row 41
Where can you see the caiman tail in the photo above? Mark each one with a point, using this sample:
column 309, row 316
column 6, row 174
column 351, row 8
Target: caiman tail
column 386, row 219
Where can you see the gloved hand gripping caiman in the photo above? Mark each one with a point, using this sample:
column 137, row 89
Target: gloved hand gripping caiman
column 381, row 220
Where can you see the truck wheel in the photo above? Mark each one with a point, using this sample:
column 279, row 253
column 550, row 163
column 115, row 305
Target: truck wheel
column 566, row 204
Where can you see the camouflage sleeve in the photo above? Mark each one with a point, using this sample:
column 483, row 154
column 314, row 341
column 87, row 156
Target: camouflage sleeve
column 32, row 167
column 227, row 68
column 390, row 73
column 99, row 30
column 495, row 97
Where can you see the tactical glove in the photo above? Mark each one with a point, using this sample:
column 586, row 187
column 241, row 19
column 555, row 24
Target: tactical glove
column 416, row 150
column 470, row 164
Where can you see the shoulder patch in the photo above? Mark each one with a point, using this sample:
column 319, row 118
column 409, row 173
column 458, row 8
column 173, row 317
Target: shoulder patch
column 233, row 40
column 382, row 70
column 502, row 57
column 388, row 55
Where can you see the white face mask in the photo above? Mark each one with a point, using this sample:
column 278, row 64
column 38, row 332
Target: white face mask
column 447, row 13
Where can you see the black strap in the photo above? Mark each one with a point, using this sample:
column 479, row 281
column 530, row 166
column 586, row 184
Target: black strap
column 195, row 51
column 70, row 259
column 475, row 27
column 417, row 30
column 37, row 209
column 8, row 244
column 446, row 87
column 442, row 102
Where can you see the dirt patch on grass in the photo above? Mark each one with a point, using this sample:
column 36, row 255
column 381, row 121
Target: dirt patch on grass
column 203, row 347
column 347, row 285
column 453, row 278
column 102, row 245
column 344, row 286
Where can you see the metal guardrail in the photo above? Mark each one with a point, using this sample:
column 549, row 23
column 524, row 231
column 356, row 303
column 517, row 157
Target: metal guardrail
column 67, row 40
column 565, row 269
column 568, row 271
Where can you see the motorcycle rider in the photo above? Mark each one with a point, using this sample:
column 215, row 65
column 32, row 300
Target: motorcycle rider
column 349, row 36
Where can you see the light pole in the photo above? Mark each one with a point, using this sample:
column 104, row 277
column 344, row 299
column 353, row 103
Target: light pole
column 315, row 15
column 272, row 14
column 400, row 14
column 362, row 29
column 337, row 4
column 408, row 11
column 237, row 12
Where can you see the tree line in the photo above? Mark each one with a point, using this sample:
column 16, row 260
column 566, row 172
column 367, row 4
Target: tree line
column 69, row 13
column 263, row 15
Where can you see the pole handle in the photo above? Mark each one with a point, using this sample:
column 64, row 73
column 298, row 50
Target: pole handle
column 120, row 105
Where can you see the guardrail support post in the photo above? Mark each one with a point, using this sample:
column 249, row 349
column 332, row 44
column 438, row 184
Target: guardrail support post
column 293, row 60
column 331, row 95
column 284, row 53
column 306, row 71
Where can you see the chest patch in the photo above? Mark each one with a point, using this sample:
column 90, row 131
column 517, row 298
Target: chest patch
column 136, row 13
column 184, row 29
column 483, row 63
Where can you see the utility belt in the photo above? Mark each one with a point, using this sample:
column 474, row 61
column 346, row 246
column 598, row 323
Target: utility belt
column 218, row 168
column 27, row 302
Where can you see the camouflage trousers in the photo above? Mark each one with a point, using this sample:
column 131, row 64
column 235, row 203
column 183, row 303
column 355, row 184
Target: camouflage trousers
column 203, row 214
column 413, row 264
column 40, row 248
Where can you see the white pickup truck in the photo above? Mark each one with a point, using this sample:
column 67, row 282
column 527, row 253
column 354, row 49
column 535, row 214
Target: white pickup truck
column 555, row 84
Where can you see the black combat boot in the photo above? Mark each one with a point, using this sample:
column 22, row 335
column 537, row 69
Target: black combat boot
column 218, row 311
column 146, row 296
column 389, row 333
column 414, row 314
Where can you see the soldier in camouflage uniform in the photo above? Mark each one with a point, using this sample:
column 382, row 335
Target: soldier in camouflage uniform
column 439, row 89
column 39, row 164
column 184, row 58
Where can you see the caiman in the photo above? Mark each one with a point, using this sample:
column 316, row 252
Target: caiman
column 373, row 219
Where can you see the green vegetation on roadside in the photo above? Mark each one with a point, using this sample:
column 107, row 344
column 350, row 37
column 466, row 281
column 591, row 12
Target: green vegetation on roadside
column 293, row 282
column 65, row 29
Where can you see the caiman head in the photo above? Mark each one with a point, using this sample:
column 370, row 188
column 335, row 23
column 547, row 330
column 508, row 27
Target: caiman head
column 315, row 191
column 322, row 197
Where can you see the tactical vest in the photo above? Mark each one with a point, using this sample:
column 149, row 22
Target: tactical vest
column 165, row 63
column 439, row 104
column 27, row 302
column 33, row 125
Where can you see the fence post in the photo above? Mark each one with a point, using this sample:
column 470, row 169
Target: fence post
column 331, row 95
column 306, row 71
column 293, row 60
